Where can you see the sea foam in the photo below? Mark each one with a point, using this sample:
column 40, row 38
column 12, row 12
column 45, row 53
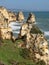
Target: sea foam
column 46, row 33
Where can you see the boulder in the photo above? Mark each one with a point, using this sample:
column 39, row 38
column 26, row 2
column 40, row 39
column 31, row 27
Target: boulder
column 31, row 18
column 20, row 16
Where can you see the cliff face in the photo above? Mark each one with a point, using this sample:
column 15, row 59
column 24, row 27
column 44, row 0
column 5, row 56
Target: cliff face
column 12, row 16
column 1, row 19
column 7, row 14
column 5, row 33
column 5, row 18
column 34, row 42
column 4, row 12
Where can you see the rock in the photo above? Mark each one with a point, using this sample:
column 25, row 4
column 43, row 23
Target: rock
column 35, row 42
column 4, row 11
column 5, row 33
column 24, row 29
column 1, row 19
column 20, row 16
column 7, row 15
column 31, row 18
column 12, row 16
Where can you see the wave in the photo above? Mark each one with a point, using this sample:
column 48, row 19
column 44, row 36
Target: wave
column 15, row 23
column 17, row 32
column 15, row 27
column 46, row 33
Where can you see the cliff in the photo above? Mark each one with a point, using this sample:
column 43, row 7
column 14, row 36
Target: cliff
column 34, row 42
column 34, row 45
column 10, row 16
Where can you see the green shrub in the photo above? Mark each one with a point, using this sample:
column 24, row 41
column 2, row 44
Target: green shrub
column 36, row 30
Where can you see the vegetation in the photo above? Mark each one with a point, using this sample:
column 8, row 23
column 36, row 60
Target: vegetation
column 36, row 30
column 10, row 54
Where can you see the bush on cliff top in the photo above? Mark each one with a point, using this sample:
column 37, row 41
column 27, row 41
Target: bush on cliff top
column 36, row 30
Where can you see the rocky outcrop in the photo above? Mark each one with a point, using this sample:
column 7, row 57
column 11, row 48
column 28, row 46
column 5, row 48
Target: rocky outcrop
column 7, row 15
column 5, row 33
column 31, row 18
column 1, row 19
column 20, row 16
column 4, row 11
column 35, row 42
column 12, row 16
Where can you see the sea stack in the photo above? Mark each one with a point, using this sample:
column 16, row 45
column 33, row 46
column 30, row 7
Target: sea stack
column 20, row 16
column 31, row 18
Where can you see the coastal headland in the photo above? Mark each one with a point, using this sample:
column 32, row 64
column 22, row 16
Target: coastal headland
column 29, row 48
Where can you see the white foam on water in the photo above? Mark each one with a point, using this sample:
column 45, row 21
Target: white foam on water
column 15, row 25
column 48, row 40
column 37, row 23
column 17, row 32
column 46, row 33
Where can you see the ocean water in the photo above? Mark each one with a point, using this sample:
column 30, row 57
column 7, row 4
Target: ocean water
column 42, row 21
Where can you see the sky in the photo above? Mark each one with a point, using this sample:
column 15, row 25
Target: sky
column 33, row 5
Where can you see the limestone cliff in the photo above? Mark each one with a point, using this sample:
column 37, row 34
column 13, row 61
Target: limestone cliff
column 4, row 11
column 34, row 42
column 5, row 33
column 12, row 16
column 6, row 17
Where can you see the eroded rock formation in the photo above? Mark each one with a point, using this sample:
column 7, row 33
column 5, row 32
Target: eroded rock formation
column 31, row 18
column 5, row 33
column 6, row 14
column 5, row 18
column 4, row 11
column 35, row 42
column 12, row 16
column 20, row 16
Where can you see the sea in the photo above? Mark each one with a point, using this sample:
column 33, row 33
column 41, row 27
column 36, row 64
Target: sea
column 42, row 21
